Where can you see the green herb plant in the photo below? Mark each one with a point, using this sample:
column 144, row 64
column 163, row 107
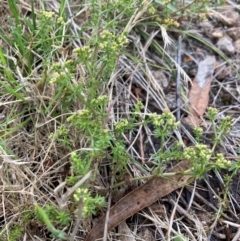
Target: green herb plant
column 15, row 233
column 43, row 216
column 78, row 85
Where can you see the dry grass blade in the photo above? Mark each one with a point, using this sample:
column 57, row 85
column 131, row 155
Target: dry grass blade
column 172, row 216
column 121, row 53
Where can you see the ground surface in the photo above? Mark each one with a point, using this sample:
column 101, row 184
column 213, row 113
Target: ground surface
column 34, row 169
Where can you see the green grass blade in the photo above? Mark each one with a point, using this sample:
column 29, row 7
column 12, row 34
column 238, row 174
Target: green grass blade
column 33, row 15
column 13, row 8
column 9, row 76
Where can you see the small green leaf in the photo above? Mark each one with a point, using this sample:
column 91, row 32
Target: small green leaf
column 56, row 233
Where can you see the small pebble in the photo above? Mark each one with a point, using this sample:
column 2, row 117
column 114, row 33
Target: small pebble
column 217, row 33
column 225, row 44
column 230, row 18
column 234, row 33
column 237, row 46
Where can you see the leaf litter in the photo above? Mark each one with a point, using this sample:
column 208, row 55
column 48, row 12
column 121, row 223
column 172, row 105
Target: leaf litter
column 195, row 200
column 201, row 92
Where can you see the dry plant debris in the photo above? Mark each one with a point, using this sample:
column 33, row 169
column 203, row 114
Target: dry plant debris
column 142, row 197
column 199, row 93
column 125, row 158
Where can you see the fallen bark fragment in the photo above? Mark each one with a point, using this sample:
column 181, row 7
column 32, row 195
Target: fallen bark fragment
column 142, row 197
